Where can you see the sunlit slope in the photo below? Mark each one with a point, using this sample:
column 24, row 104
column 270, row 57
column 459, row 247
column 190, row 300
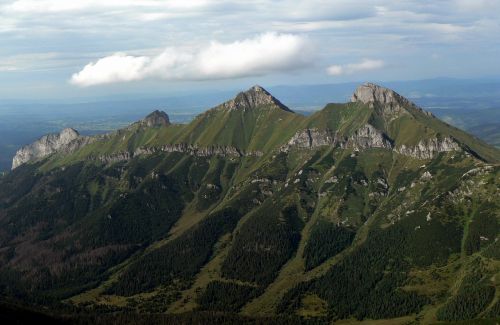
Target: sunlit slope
column 261, row 128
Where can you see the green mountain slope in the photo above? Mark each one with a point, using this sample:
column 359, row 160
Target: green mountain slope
column 372, row 209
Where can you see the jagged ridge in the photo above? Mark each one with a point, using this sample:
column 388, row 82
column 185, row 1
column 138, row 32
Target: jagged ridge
column 377, row 118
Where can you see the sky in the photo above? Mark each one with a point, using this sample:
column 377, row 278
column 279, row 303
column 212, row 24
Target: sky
column 93, row 48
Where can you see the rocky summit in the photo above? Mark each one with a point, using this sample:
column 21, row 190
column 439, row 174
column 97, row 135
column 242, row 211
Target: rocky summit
column 372, row 93
column 254, row 97
column 367, row 210
column 391, row 104
column 44, row 146
column 155, row 119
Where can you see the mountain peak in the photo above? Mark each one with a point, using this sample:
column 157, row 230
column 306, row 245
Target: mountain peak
column 69, row 133
column 257, row 88
column 393, row 103
column 156, row 118
column 372, row 93
column 254, row 97
column 45, row 146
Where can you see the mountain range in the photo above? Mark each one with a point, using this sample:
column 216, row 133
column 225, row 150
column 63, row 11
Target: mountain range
column 371, row 209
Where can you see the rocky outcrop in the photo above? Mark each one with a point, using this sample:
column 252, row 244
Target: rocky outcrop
column 194, row 150
column 309, row 138
column 155, row 119
column 252, row 98
column 65, row 141
column 371, row 93
column 223, row 151
column 114, row 157
column 388, row 101
column 367, row 137
column 427, row 149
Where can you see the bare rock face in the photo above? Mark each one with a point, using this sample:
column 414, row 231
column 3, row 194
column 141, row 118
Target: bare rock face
column 115, row 157
column 389, row 102
column 427, row 149
column 155, row 119
column 309, row 138
column 190, row 149
column 254, row 97
column 47, row 145
column 367, row 137
column 370, row 93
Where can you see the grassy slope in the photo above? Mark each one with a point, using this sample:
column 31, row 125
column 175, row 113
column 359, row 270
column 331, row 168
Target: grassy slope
column 258, row 129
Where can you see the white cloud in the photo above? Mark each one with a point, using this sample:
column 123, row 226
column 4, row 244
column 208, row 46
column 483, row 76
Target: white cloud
column 264, row 54
column 117, row 67
column 351, row 68
column 335, row 70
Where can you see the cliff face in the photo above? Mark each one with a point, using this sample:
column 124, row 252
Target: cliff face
column 427, row 149
column 310, row 138
column 193, row 150
column 369, row 137
column 365, row 137
column 47, row 145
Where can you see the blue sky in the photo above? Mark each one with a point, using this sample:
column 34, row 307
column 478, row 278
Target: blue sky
column 71, row 48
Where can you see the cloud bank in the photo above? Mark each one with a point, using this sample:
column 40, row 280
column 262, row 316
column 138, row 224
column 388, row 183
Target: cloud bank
column 261, row 55
column 352, row 68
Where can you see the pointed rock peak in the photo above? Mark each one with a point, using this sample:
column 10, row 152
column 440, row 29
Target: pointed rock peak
column 156, row 118
column 45, row 146
column 254, row 97
column 372, row 93
column 69, row 133
column 258, row 88
column 393, row 103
